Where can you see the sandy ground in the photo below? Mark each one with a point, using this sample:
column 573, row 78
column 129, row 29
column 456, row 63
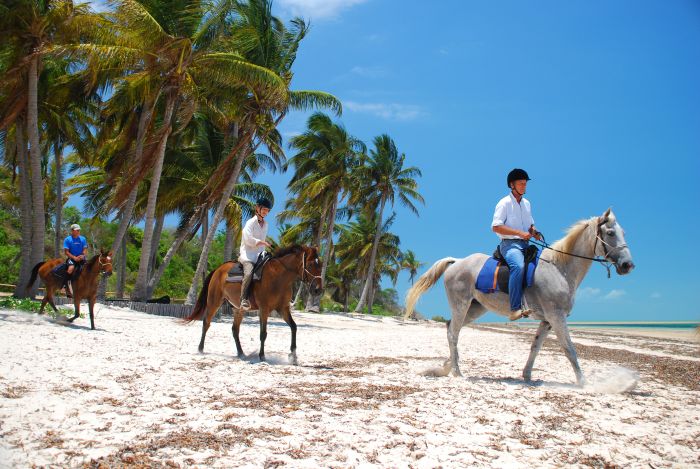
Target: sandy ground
column 135, row 393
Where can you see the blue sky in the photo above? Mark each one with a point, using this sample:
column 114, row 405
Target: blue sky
column 598, row 101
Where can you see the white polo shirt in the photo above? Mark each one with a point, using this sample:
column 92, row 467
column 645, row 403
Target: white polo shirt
column 513, row 214
column 253, row 232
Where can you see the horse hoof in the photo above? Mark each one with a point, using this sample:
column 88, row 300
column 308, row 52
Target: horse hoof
column 456, row 373
column 293, row 359
column 262, row 358
column 200, row 349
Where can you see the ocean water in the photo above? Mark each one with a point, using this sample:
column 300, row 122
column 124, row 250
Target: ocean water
column 638, row 325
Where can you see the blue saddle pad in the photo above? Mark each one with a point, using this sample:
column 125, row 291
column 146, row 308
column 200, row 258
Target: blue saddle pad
column 494, row 275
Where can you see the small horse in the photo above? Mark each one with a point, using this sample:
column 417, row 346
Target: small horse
column 272, row 292
column 84, row 287
column 559, row 273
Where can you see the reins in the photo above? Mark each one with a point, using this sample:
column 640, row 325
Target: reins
column 605, row 261
column 304, row 270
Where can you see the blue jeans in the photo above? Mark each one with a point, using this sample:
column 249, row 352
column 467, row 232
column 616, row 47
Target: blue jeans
column 513, row 251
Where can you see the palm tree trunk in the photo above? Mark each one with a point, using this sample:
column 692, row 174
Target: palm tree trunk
column 140, row 289
column 58, row 154
column 25, row 205
column 228, row 243
column 225, row 195
column 38, row 220
column 121, row 269
column 372, row 260
column 157, row 232
column 205, row 235
column 128, row 210
column 329, row 238
column 313, row 302
column 179, row 239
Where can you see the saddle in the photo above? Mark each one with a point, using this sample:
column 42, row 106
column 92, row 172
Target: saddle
column 494, row 275
column 61, row 272
column 235, row 275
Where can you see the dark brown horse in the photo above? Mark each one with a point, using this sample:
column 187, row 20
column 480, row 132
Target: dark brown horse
column 84, row 287
column 272, row 292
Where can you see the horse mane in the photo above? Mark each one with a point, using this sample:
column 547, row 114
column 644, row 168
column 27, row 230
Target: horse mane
column 293, row 249
column 92, row 261
column 567, row 243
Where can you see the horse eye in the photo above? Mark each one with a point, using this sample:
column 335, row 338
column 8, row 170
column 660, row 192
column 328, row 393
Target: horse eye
column 611, row 232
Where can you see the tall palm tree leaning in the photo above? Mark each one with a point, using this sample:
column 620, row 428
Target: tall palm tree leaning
column 383, row 179
column 184, row 35
column 263, row 40
column 29, row 31
column 324, row 164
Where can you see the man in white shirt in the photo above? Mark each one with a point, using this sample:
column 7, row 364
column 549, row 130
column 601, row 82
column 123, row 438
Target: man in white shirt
column 513, row 222
column 252, row 244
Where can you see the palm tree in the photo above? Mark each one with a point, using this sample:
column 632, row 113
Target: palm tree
column 30, row 30
column 411, row 264
column 356, row 245
column 264, row 41
column 383, row 179
column 324, row 164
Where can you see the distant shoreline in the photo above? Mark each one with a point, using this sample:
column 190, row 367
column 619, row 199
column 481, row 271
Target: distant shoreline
column 686, row 331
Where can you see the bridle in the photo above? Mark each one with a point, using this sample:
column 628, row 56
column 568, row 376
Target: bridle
column 305, row 272
column 606, row 261
column 103, row 264
column 306, row 275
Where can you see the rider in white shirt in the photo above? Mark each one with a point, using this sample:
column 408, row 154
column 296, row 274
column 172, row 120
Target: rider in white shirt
column 513, row 222
column 253, row 242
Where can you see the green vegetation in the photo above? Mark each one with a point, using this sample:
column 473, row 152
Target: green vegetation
column 196, row 92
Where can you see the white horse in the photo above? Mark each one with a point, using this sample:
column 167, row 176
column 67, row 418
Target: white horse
column 559, row 273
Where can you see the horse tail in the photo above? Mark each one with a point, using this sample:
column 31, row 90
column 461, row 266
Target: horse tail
column 35, row 272
column 426, row 281
column 201, row 306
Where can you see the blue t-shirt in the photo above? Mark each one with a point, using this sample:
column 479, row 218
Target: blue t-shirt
column 75, row 246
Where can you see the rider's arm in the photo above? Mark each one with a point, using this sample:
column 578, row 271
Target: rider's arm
column 508, row 231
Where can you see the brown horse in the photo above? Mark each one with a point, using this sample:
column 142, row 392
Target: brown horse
column 272, row 292
column 84, row 287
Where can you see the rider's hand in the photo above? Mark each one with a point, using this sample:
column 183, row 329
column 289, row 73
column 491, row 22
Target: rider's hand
column 525, row 235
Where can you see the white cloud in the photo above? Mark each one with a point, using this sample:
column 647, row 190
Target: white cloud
column 318, row 8
column 588, row 292
column 389, row 111
column 656, row 295
column 615, row 294
column 369, row 72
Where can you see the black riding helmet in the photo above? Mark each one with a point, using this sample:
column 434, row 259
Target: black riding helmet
column 264, row 202
column 516, row 175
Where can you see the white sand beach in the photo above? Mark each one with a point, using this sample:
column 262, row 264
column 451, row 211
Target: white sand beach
column 136, row 393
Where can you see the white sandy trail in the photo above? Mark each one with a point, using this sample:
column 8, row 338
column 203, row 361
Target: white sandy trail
column 137, row 392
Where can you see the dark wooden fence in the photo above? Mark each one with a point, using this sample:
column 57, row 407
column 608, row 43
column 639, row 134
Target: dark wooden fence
column 171, row 309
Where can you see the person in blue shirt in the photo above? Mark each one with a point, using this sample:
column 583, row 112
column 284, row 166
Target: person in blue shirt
column 75, row 247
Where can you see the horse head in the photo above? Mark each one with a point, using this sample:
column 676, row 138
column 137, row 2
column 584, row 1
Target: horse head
column 312, row 270
column 612, row 243
column 105, row 262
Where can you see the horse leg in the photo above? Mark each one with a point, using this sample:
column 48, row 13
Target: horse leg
column 540, row 335
column 287, row 316
column 215, row 299
column 460, row 300
column 91, row 307
column 236, row 328
column 76, row 304
column 49, row 298
column 562, row 331
column 263, row 314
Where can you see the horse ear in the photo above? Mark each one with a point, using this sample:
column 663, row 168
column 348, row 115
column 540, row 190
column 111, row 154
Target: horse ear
column 604, row 219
